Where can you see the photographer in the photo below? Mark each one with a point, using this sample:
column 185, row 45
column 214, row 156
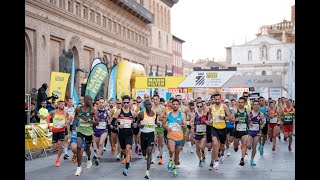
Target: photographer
column 42, row 95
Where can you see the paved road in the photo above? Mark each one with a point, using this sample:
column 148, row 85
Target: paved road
column 272, row 165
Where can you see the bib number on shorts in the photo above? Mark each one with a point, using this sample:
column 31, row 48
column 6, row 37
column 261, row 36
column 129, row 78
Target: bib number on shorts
column 241, row 127
column 126, row 123
column 201, row 128
column 255, row 127
column 175, row 127
column 102, row 125
column 273, row 120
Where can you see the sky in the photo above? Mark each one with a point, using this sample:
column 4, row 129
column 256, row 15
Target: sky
column 208, row 26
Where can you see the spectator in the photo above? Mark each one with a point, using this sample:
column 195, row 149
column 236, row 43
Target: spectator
column 42, row 95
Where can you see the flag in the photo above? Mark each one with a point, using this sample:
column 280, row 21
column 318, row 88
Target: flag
column 96, row 77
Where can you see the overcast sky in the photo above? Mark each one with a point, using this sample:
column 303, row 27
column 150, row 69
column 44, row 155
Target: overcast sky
column 208, row 26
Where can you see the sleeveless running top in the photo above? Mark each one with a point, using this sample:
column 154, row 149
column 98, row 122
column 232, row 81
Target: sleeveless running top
column 200, row 124
column 288, row 116
column 218, row 123
column 85, row 127
column 148, row 122
column 242, row 124
column 176, row 133
column 126, row 119
column 255, row 122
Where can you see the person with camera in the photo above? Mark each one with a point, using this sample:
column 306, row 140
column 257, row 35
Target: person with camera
column 42, row 95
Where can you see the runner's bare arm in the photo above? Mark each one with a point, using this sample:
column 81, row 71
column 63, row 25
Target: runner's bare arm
column 188, row 112
column 226, row 110
column 163, row 113
column 184, row 121
column 164, row 122
column 51, row 114
column 95, row 120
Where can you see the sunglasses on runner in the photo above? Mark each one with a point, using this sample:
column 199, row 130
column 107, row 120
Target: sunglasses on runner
column 126, row 102
column 199, row 106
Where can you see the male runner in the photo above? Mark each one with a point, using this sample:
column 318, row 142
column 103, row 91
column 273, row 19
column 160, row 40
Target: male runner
column 161, row 113
column 273, row 123
column 176, row 121
column 263, row 109
column 288, row 114
column 87, row 117
column 125, row 118
column 146, row 122
column 185, row 110
column 218, row 115
column 230, row 125
column 70, row 110
column 241, row 120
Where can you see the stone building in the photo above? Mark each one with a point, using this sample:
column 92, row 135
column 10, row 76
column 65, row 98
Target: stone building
column 177, row 56
column 135, row 30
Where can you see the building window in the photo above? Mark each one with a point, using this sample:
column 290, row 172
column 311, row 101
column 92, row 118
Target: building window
column 139, row 39
column 53, row 2
column 98, row 18
column 136, row 37
column 78, row 9
column 91, row 16
column 109, row 24
column 104, row 21
column 85, row 12
column 62, row 4
column 142, row 2
column 263, row 73
column 124, row 32
column 249, row 56
column 128, row 33
column 279, row 55
column 159, row 39
column 114, row 27
column 119, row 29
column 132, row 35
column 69, row 6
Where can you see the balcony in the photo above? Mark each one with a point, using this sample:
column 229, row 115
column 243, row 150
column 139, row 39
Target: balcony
column 135, row 9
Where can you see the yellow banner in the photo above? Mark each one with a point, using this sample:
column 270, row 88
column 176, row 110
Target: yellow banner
column 158, row 82
column 37, row 137
column 58, row 84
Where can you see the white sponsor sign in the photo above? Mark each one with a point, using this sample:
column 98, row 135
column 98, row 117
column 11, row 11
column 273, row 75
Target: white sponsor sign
column 275, row 93
column 141, row 92
column 207, row 79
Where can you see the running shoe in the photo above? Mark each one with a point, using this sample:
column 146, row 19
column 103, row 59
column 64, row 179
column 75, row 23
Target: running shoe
column 137, row 150
column 147, row 175
column 289, row 148
column 96, row 163
column 216, row 165
column 66, row 157
column 160, row 161
column 211, row 166
column 170, row 165
column 125, row 172
column 175, row 173
column 78, row 171
column 252, row 163
column 228, row 152
column 200, row 163
column 241, row 163
column 89, row 164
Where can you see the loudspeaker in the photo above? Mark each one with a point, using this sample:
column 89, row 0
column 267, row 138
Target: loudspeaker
column 83, row 90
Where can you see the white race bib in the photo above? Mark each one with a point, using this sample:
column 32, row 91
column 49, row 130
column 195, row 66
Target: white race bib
column 126, row 123
column 102, row 125
column 201, row 128
column 255, row 127
column 85, row 125
column 175, row 127
column 273, row 120
column 241, row 127
column 216, row 119
column 188, row 123
column 58, row 125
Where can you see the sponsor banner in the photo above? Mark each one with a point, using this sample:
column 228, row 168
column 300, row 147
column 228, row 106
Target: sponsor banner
column 178, row 90
column 158, row 82
column 207, row 79
column 141, row 92
column 238, row 90
column 58, row 84
column 275, row 93
column 96, row 77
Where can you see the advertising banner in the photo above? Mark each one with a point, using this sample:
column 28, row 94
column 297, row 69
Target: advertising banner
column 158, row 82
column 58, row 84
column 275, row 93
column 207, row 79
column 96, row 77
column 141, row 92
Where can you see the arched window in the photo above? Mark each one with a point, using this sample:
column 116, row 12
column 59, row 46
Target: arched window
column 263, row 73
column 249, row 56
column 279, row 55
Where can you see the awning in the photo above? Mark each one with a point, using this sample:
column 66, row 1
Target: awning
column 254, row 81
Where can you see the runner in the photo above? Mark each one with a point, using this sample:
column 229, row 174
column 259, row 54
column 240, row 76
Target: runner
column 274, row 118
column 218, row 115
column 263, row 109
column 184, row 109
column 176, row 121
column 255, row 125
column 114, row 131
column 288, row 114
column 161, row 113
column 241, row 120
column 100, row 131
column 73, row 140
column 70, row 110
column 60, row 119
column 87, row 117
column 190, row 130
column 198, row 123
column 125, row 118
column 247, row 103
column 230, row 125
column 146, row 123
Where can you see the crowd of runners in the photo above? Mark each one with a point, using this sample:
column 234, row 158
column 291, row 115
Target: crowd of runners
column 146, row 125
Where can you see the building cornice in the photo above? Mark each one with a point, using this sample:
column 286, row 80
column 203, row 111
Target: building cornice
column 170, row 3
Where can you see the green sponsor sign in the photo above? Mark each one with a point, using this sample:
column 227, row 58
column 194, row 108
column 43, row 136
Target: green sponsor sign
column 154, row 82
column 97, row 76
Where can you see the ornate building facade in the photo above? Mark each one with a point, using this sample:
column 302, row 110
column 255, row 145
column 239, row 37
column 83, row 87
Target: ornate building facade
column 135, row 30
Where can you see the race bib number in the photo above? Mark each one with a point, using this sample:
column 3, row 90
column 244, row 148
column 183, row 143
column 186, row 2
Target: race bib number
column 201, row 128
column 85, row 125
column 273, row 120
column 175, row 127
column 126, row 123
column 149, row 127
column 58, row 125
column 102, row 125
column 188, row 123
column 255, row 127
column 241, row 127
column 216, row 119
